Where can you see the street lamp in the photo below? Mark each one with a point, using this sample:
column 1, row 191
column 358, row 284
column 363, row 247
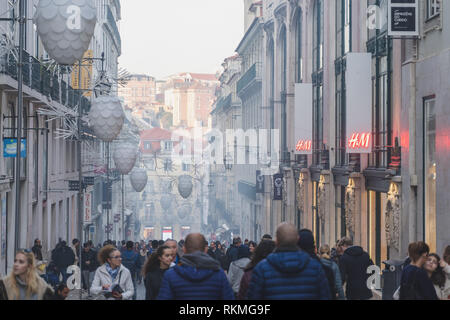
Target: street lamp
column 228, row 162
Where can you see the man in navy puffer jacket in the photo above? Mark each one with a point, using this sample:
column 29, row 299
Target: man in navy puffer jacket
column 288, row 273
column 199, row 277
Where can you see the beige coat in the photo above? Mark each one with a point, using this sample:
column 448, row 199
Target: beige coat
column 45, row 292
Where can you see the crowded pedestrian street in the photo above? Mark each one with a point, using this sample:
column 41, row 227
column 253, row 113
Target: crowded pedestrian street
column 224, row 150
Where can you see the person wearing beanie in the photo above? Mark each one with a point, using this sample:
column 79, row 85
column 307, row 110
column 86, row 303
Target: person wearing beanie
column 237, row 268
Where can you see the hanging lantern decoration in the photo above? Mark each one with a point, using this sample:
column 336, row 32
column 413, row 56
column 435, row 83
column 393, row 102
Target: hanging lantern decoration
column 139, row 179
column 106, row 117
column 185, row 186
column 184, row 211
column 166, row 201
column 125, row 157
column 66, row 28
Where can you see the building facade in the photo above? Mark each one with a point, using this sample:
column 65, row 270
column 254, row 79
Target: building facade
column 48, row 210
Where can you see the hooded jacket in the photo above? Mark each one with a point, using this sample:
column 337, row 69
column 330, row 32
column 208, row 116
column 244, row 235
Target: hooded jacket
column 123, row 278
column 288, row 274
column 44, row 291
column 237, row 269
column 198, row 277
column 353, row 265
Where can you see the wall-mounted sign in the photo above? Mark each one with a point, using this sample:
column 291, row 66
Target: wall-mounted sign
column 359, row 102
column 360, row 141
column 259, row 182
column 303, row 145
column 10, row 148
column 303, row 117
column 278, row 187
column 403, row 18
column 74, row 185
column 89, row 181
column 87, row 208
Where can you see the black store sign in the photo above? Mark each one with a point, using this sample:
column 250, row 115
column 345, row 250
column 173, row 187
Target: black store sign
column 278, row 187
column 403, row 18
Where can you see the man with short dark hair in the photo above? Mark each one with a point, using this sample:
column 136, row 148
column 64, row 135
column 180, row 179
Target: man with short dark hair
column 353, row 265
column 198, row 277
column 415, row 282
column 131, row 261
column 232, row 252
column 288, row 273
column 266, row 237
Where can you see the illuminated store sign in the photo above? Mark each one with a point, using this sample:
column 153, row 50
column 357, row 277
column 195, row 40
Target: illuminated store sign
column 360, row 141
column 359, row 103
column 303, row 118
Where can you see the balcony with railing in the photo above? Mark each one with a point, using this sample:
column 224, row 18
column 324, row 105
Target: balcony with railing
column 37, row 78
column 249, row 79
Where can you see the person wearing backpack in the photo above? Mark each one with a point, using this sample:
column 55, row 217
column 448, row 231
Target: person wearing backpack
column 131, row 261
column 327, row 261
column 306, row 242
column 415, row 283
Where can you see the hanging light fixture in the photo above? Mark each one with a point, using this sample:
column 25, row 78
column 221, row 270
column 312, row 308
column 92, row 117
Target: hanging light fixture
column 106, row 117
column 185, row 186
column 184, row 211
column 139, row 179
column 166, row 201
column 66, row 28
column 125, row 156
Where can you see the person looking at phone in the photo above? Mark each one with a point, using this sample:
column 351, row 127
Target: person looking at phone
column 112, row 278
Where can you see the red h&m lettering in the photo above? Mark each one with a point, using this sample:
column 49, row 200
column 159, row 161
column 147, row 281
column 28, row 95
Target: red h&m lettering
column 303, row 145
column 359, row 141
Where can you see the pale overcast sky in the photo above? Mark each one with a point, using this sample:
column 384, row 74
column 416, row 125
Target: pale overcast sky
column 164, row 37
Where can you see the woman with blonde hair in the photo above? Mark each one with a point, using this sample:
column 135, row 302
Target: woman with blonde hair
column 112, row 278
column 325, row 259
column 23, row 283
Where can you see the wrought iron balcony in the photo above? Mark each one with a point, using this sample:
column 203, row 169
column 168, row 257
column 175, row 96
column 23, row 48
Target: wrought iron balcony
column 38, row 78
column 251, row 77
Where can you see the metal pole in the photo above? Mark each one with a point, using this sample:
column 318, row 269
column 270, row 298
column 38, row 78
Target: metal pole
column 123, row 210
column 80, row 175
column 108, row 191
column 22, row 21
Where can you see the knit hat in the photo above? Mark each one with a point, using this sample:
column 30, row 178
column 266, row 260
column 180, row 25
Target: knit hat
column 243, row 252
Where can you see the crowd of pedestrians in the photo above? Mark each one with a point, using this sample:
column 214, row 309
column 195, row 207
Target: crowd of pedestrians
column 288, row 267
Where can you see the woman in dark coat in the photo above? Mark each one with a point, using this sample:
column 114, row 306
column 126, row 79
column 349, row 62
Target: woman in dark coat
column 154, row 269
column 265, row 248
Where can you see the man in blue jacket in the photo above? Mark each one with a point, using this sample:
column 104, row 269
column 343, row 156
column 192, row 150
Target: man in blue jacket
column 198, row 277
column 288, row 273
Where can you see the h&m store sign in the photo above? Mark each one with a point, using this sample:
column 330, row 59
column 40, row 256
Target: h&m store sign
column 359, row 108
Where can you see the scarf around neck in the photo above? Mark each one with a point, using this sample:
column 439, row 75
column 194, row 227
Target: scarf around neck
column 112, row 272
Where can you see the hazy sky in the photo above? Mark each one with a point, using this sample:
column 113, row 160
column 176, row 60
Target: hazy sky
column 163, row 37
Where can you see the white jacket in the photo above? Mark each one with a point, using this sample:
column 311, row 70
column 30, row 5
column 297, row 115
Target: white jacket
column 102, row 278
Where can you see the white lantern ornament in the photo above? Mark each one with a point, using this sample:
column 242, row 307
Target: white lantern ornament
column 66, row 28
column 139, row 179
column 106, row 117
column 125, row 156
column 166, row 201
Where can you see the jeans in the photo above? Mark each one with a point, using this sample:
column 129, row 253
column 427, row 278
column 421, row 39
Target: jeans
column 87, row 277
